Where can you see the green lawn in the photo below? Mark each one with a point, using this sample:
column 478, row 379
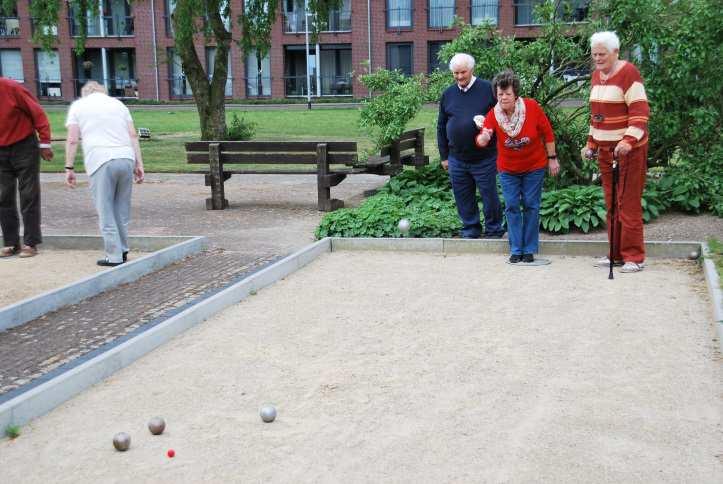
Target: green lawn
column 170, row 129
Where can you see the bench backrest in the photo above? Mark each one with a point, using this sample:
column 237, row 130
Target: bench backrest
column 409, row 146
column 272, row 152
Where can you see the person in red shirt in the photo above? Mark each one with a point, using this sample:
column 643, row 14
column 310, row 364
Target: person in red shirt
column 619, row 114
column 525, row 149
column 21, row 117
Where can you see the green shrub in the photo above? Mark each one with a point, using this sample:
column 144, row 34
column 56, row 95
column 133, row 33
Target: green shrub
column 240, row 129
column 694, row 182
column 577, row 207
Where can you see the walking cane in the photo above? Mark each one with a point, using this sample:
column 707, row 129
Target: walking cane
column 613, row 204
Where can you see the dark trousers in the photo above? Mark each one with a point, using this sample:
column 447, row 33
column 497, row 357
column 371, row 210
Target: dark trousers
column 20, row 171
column 466, row 179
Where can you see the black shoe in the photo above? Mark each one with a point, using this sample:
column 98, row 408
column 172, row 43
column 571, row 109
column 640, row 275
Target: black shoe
column 493, row 236
column 528, row 258
column 515, row 258
column 125, row 256
column 106, row 263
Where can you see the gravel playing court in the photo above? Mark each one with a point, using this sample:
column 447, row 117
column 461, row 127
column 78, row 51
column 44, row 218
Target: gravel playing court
column 405, row 367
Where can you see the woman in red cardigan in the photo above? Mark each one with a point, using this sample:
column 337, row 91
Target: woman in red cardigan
column 525, row 149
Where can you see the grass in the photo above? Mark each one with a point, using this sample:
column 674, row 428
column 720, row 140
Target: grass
column 715, row 248
column 12, row 431
column 164, row 152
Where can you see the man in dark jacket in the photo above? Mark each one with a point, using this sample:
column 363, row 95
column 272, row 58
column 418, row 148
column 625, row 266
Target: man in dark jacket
column 470, row 168
column 22, row 122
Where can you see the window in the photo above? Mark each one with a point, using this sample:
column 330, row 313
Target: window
column 48, row 67
column 335, row 70
column 433, row 62
column 441, row 13
column 484, row 11
column 11, row 64
column 10, row 26
column 399, row 56
column 170, row 8
column 567, row 11
column 211, row 61
column 177, row 83
column 258, row 82
column 399, row 14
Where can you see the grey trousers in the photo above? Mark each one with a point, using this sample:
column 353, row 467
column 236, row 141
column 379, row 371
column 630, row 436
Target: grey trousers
column 111, row 186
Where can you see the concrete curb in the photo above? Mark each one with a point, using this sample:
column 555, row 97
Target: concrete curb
column 716, row 294
column 166, row 251
column 46, row 396
column 592, row 248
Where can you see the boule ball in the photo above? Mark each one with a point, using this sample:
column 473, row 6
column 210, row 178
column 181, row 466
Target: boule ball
column 268, row 413
column 404, row 225
column 693, row 255
column 157, row 425
column 121, row 441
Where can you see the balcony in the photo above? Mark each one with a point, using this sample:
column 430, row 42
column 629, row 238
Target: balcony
column 441, row 16
column 400, row 18
column 570, row 12
column 178, row 87
column 251, row 86
column 9, row 27
column 330, row 85
column 117, row 87
column 49, row 88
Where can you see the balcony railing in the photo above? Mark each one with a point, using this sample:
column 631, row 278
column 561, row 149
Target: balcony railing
column 53, row 30
column 116, row 26
column 93, row 27
column 251, row 86
column 330, row 85
column 339, row 21
column 9, row 27
column 49, row 87
column 485, row 11
column 441, row 17
column 400, row 18
column 117, row 86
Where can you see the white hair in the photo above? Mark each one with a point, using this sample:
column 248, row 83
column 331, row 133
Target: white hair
column 609, row 40
column 461, row 59
column 92, row 86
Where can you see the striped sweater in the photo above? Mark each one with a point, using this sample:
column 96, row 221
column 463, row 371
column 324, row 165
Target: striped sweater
column 618, row 109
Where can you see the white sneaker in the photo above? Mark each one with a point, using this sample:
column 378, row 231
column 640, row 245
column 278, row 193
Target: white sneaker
column 605, row 262
column 632, row 267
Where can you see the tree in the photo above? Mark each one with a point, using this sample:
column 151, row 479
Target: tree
column 190, row 19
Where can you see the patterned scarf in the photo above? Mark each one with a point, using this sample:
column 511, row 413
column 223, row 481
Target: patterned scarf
column 512, row 125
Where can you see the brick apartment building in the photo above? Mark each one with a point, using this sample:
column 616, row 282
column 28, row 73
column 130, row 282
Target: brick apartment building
column 130, row 47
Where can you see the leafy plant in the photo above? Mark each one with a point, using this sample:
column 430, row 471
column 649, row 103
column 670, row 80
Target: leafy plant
column 240, row 129
column 695, row 184
column 12, row 431
column 576, row 206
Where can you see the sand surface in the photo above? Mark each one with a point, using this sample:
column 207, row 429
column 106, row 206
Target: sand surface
column 414, row 368
column 50, row 269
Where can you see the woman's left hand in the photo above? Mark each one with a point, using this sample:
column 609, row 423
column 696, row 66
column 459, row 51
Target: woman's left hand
column 554, row 167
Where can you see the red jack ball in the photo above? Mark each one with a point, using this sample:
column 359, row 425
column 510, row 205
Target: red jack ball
column 171, row 453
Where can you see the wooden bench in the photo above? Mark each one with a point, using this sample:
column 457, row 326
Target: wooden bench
column 334, row 160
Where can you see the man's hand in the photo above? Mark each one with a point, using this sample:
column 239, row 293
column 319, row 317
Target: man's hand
column 46, row 154
column 445, row 164
column 622, row 149
column 554, row 166
column 70, row 179
column 139, row 173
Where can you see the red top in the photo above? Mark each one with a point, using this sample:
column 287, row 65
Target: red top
column 526, row 151
column 618, row 108
column 20, row 114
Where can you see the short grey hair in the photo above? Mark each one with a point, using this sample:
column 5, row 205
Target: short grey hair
column 92, row 86
column 607, row 39
column 461, row 59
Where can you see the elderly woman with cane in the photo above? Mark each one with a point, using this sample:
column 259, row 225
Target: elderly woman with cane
column 619, row 134
column 525, row 149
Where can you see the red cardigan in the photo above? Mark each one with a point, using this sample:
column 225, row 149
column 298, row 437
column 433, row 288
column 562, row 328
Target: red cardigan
column 20, row 114
column 526, row 152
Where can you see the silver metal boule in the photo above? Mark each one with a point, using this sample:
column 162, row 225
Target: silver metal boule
column 156, row 425
column 693, row 255
column 121, row 441
column 268, row 413
column 404, row 225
